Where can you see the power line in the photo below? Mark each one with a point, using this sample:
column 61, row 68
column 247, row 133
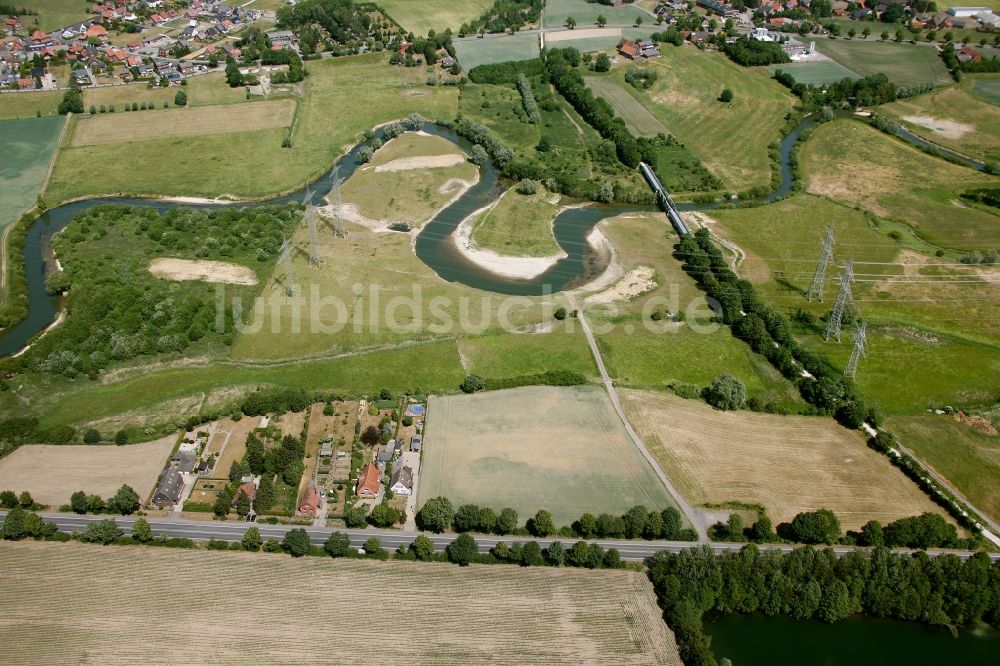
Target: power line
column 860, row 348
column 843, row 300
column 826, row 255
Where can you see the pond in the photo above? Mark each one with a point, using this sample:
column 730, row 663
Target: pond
column 761, row 640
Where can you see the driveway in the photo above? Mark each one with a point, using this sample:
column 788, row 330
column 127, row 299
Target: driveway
column 411, row 459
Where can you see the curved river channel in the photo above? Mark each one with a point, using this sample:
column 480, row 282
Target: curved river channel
column 434, row 245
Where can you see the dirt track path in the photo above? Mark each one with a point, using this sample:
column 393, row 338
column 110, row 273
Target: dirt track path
column 693, row 517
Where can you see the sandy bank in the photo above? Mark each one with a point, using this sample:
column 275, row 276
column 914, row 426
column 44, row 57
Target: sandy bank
column 522, row 268
column 201, row 269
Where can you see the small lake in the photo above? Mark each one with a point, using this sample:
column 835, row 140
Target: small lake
column 760, row 640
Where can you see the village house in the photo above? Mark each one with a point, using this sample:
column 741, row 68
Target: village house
column 246, row 488
column 168, row 491
column 11, row 25
column 311, row 501
column 402, row 482
column 967, row 54
column 368, row 482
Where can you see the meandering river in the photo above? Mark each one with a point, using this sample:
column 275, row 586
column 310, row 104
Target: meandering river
column 433, row 246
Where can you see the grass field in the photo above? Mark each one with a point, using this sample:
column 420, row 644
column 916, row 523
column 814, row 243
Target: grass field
column 496, row 48
column 641, row 353
column 54, row 14
column 28, row 146
column 817, row 72
column 904, row 64
column 364, row 90
column 787, row 463
column 180, row 123
column 953, row 118
column 384, row 190
column 586, row 13
column 29, row 104
column 986, row 87
column 212, row 89
column 636, row 116
column 519, row 225
column 966, row 457
column 421, row 16
column 932, row 342
column 586, row 40
column 856, row 164
column 557, row 448
column 730, row 139
column 386, row 296
column 172, row 392
column 52, row 473
column 79, row 600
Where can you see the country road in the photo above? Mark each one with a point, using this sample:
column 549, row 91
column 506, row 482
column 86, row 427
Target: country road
column 693, row 517
column 203, row 530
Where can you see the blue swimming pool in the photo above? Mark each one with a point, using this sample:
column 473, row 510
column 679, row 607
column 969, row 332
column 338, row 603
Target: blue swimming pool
column 417, row 410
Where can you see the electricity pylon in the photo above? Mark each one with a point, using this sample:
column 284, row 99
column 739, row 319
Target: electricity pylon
column 826, row 255
column 843, row 300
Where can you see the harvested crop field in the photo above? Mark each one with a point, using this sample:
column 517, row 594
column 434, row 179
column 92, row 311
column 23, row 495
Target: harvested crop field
column 201, row 269
column 635, row 115
column 52, row 473
column 787, row 463
column 181, row 122
column 79, row 603
column 541, row 447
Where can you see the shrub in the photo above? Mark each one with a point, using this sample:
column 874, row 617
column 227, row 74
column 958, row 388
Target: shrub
column 726, row 393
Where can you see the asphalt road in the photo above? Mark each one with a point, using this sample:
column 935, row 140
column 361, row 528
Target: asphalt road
column 203, row 530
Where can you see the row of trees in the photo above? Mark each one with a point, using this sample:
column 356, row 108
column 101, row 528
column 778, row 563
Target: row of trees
column 125, row 502
column 503, row 16
column 561, row 69
column 807, row 583
column 869, row 91
column 767, row 331
column 473, row 383
column 528, row 99
column 438, row 515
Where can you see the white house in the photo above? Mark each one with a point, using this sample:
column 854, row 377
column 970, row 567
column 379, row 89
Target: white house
column 761, row 35
column 402, row 482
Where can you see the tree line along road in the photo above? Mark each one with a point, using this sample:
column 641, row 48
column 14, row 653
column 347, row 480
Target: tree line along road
column 631, row 550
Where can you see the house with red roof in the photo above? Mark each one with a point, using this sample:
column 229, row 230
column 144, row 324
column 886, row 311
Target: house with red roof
column 368, row 482
column 630, row 49
column 96, row 31
column 312, row 500
column 248, row 489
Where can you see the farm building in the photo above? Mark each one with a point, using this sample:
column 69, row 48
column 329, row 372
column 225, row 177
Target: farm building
column 964, row 12
column 368, row 482
column 637, row 50
column 402, row 481
column 311, row 500
column 168, row 492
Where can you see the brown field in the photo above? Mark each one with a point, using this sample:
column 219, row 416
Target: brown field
column 80, row 603
column 181, row 122
column 290, row 423
column 787, row 463
column 237, row 444
column 52, row 473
